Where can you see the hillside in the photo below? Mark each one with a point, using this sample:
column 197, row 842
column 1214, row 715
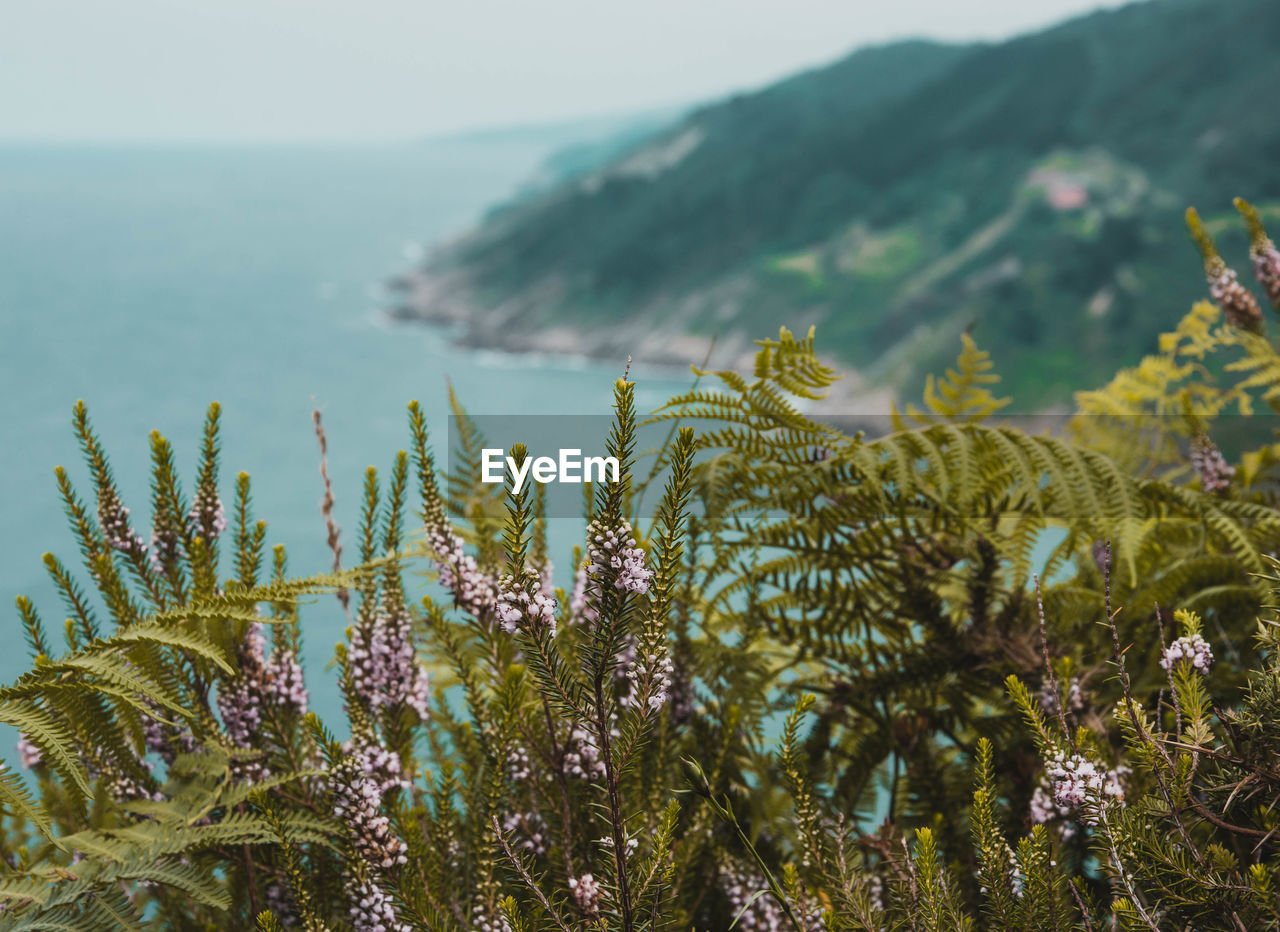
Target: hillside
column 1030, row 189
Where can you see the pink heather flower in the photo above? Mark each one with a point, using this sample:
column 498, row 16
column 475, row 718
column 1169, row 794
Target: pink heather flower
column 1236, row 301
column 1044, row 808
column 165, row 548
column 1266, row 267
column 1194, row 649
column 1263, row 252
column 29, row 755
column 761, row 914
column 113, row 518
column 482, row 921
column 613, row 553
column 474, row 591
column 1075, row 780
column 580, row 608
column 284, row 680
column 1075, row 696
column 240, row 701
column 649, row 678
column 661, row 671
column 1238, row 304
column 383, row 664
column 632, row 845
column 263, row 682
column 522, row 605
column 518, row 764
column 207, row 517
column 163, row 739
column 378, row 763
column 529, row 829
column 357, row 799
column 372, row 909
column 582, row 755
column 586, row 893
column 1210, row 465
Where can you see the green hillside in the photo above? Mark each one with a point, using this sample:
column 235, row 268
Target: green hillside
column 1030, row 189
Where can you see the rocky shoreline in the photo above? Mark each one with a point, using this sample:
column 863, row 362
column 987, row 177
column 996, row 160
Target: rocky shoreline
column 445, row 299
column 442, row 298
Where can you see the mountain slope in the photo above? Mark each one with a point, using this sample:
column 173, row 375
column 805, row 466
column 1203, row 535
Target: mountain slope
column 1031, row 189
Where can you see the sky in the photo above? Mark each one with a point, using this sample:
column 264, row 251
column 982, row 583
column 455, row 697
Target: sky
column 234, row 71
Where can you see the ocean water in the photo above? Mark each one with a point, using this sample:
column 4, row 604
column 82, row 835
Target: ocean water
column 150, row 282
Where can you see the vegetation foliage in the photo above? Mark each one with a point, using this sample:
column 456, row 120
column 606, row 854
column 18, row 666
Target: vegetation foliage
column 962, row 675
column 902, row 193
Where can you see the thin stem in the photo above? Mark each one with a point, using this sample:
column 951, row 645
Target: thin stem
column 617, row 824
column 525, row 876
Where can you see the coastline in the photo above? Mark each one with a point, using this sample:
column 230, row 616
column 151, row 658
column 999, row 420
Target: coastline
column 439, row 298
column 425, row 297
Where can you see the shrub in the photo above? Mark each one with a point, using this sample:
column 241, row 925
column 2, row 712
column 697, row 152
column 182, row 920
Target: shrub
column 822, row 688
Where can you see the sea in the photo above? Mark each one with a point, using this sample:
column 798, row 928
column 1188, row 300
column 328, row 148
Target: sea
column 151, row 281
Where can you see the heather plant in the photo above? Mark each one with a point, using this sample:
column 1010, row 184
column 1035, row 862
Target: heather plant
column 837, row 681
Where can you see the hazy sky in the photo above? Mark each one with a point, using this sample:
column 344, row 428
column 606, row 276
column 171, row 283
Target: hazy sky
column 278, row 70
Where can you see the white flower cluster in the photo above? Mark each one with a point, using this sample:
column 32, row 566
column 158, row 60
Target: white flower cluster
column 113, row 518
column 518, row 765
column 1073, row 781
column 632, row 844
column 473, row 591
column 582, row 756
column 1193, row 649
column 377, row 762
column 240, row 701
column 207, row 517
column 1210, row 465
column 274, row 681
column 1236, row 301
column 283, row 675
column 1266, row 266
column 29, row 755
column 1044, row 808
column 357, row 797
column 613, row 552
column 371, row 909
column 586, row 893
column 482, row 921
column 741, row 884
column 164, row 548
column 522, row 605
column 580, row 607
column 1075, row 696
column 655, row 673
column 383, row 664
column 530, row 830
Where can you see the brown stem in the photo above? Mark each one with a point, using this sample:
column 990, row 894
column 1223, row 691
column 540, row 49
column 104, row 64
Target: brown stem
column 326, row 509
column 1053, row 678
column 1142, row 733
column 525, row 876
column 615, row 809
column 253, row 886
column 566, row 812
column 1088, row 923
